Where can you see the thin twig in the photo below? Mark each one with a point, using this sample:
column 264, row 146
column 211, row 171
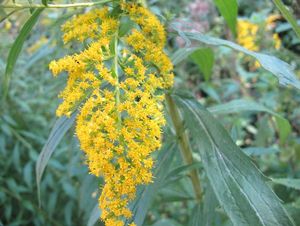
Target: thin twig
column 53, row 6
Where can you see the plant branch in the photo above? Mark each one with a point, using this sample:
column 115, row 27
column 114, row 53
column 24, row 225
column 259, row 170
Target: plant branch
column 53, row 6
column 116, row 75
column 184, row 144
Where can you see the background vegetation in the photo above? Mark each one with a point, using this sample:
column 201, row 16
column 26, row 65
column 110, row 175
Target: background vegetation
column 262, row 117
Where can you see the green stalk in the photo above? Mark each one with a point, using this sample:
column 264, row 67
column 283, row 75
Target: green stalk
column 116, row 75
column 53, row 6
column 288, row 16
column 184, row 144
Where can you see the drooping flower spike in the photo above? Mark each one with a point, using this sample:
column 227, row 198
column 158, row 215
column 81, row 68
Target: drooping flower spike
column 117, row 83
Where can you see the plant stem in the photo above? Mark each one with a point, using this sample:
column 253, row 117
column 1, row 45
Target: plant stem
column 116, row 75
column 184, row 144
column 80, row 4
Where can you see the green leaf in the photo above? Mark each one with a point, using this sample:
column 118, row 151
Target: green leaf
column 27, row 174
column 284, row 128
column 204, row 58
column 210, row 205
column 283, row 27
column 240, row 105
column 166, row 222
column 196, row 217
column 288, row 16
column 288, row 182
column 277, row 67
column 239, row 186
column 45, row 2
column 16, row 49
column 229, row 10
column 61, row 126
column 125, row 27
column 95, row 215
column 235, row 106
column 256, row 151
column 181, row 54
column 204, row 213
column 178, row 172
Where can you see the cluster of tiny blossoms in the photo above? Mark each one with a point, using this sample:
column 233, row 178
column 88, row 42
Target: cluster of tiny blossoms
column 117, row 83
column 248, row 33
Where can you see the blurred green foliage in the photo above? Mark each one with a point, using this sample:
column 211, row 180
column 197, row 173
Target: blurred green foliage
column 69, row 194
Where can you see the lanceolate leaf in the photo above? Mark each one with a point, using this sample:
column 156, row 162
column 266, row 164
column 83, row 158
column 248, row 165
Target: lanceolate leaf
column 95, row 215
column 209, row 210
column 288, row 16
column 196, row 217
column 182, row 54
column 277, row 67
column 204, row 58
column 241, row 105
column 256, row 151
column 179, row 173
column 61, row 126
column 16, row 49
column 229, row 10
column 239, row 186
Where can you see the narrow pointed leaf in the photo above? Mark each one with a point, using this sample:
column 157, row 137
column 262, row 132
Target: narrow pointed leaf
column 288, row 16
column 61, row 126
column 182, row 54
column 16, row 49
column 239, row 186
column 282, row 70
column 229, row 10
column 95, row 216
column 197, row 217
column 241, row 105
column 204, row 58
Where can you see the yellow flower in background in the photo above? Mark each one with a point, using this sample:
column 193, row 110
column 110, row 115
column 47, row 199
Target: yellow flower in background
column 270, row 25
column 7, row 25
column 271, row 20
column 277, row 41
column 247, row 35
column 118, row 91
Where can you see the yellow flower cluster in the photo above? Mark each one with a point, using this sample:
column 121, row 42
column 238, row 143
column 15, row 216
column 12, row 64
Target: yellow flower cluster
column 247, row 34
column 271, row 24
column 271, row 20
column 117, row 83
column 277, row 41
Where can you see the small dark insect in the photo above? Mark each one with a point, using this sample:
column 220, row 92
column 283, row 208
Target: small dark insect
column 149, row 117
column 137, row 98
